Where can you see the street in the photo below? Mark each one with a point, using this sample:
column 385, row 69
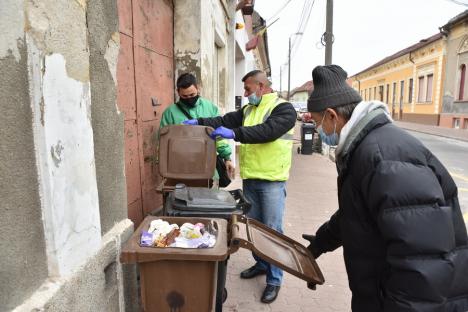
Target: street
column 311, row 200
column 453, row 154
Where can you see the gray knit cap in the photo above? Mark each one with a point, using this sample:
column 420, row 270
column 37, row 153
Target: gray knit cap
column 330, row 89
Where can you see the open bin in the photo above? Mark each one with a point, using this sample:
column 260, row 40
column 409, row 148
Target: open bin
column 184, row 280
column 177, row 279
column 187, row 161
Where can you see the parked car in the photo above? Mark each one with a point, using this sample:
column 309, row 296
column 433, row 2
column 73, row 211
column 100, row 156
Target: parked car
column 300, row 107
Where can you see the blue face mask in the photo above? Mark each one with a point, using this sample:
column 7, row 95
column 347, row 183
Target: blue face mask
column 254, row 99
column 329, row 139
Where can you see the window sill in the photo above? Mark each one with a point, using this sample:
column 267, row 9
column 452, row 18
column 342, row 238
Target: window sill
column 461, row 101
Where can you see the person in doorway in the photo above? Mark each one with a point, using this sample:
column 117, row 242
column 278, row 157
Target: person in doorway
column 265, row 128
column 399, row 221
column 192, row 105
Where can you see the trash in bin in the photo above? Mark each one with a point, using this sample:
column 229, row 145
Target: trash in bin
column 168, row 273
column 177, row 279
column 164, row 235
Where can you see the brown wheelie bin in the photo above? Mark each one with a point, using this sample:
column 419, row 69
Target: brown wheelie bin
column 184, row 280
column 177, row 279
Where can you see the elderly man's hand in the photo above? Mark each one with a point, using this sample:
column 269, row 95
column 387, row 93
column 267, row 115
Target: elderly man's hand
column 313, row 248
column 307, row 117
column 223, row 132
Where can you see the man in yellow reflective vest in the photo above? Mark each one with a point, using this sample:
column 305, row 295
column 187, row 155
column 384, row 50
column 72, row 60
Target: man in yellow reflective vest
column 265, row 128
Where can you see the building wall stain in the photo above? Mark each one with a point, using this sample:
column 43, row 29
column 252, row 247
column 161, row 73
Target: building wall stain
column 59, row 27
column 56, row 153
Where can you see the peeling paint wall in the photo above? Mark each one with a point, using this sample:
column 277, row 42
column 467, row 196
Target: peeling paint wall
column 208, row 53
column 61, row 157
column 107, row 120
column 23, row 263
column 56, row 33
column 60, row 27
column 187, row 32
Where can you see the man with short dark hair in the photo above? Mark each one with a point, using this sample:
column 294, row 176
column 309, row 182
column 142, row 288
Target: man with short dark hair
column 192, row 105
column 265, row 128
column 399, row 221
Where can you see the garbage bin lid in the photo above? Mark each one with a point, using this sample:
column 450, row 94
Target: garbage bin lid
column 194, row 198
column 275, row 248
column 132, row 252
column 186, row 152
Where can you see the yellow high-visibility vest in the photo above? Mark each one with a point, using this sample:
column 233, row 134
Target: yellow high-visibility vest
column 267, row 161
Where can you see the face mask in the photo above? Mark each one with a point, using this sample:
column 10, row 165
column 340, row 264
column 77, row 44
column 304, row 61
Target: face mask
column 190, row 102
column 254, row 99
column 329, row 139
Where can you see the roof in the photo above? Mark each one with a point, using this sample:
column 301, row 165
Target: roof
column 412, row 48
column 308, row 87
column 455, row 20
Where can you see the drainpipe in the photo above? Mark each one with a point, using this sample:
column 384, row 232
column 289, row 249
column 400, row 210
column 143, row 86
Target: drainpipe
column 359, row 83
column 411, row 58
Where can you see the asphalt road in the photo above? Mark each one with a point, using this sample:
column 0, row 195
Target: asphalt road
column 454, row 155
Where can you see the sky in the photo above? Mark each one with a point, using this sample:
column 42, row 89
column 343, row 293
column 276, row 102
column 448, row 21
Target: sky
column 365, row 31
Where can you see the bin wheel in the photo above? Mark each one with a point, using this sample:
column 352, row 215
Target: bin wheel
column 298, row 149
column 225, row 294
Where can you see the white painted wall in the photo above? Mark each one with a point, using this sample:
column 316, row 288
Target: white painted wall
column 65, row 154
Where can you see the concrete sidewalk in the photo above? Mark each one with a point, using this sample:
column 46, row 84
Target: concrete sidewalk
column 311, row 200
column 457, row 134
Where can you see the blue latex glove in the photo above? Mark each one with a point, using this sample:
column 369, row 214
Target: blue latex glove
column 191, row 122
column 223, row 133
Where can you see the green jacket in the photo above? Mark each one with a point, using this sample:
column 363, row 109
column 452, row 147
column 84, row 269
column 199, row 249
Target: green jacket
column 203, row 109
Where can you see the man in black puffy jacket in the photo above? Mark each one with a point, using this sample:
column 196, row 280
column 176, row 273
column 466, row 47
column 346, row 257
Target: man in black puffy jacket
column 399, row 221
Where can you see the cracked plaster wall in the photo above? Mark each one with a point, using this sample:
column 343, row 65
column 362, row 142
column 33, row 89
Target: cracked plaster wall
column 50, row 220
column 107, row 120
column 195, row 50
column 23, row 264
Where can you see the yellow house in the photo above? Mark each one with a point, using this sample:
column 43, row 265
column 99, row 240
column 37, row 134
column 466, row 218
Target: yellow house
column 410, row 81
column 455, row 105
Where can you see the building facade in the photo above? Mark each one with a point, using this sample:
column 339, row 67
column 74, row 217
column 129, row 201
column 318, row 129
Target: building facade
column 455, row 96
column 301, row 94
column 84, row 85
column 410, row 81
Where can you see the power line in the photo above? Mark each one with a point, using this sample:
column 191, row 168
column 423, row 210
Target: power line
column 280, row 10
column 303, row 26
column 301, row 21
column 459, row 2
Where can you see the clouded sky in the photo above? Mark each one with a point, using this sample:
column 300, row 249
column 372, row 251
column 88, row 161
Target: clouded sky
column 365, row 32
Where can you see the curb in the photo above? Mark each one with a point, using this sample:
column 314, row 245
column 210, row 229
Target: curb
column 435, row 134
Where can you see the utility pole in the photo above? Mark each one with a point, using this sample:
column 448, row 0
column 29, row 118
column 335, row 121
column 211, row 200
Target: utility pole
column 329, row 33
column 289, row 63
column 281, row 79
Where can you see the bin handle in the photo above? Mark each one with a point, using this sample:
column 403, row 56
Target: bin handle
column 235, row 241
column 209, row 131
column 242, row 202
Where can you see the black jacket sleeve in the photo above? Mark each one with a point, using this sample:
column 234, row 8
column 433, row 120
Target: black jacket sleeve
column 230, row 120
column 281, row 120
column 328, row 236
